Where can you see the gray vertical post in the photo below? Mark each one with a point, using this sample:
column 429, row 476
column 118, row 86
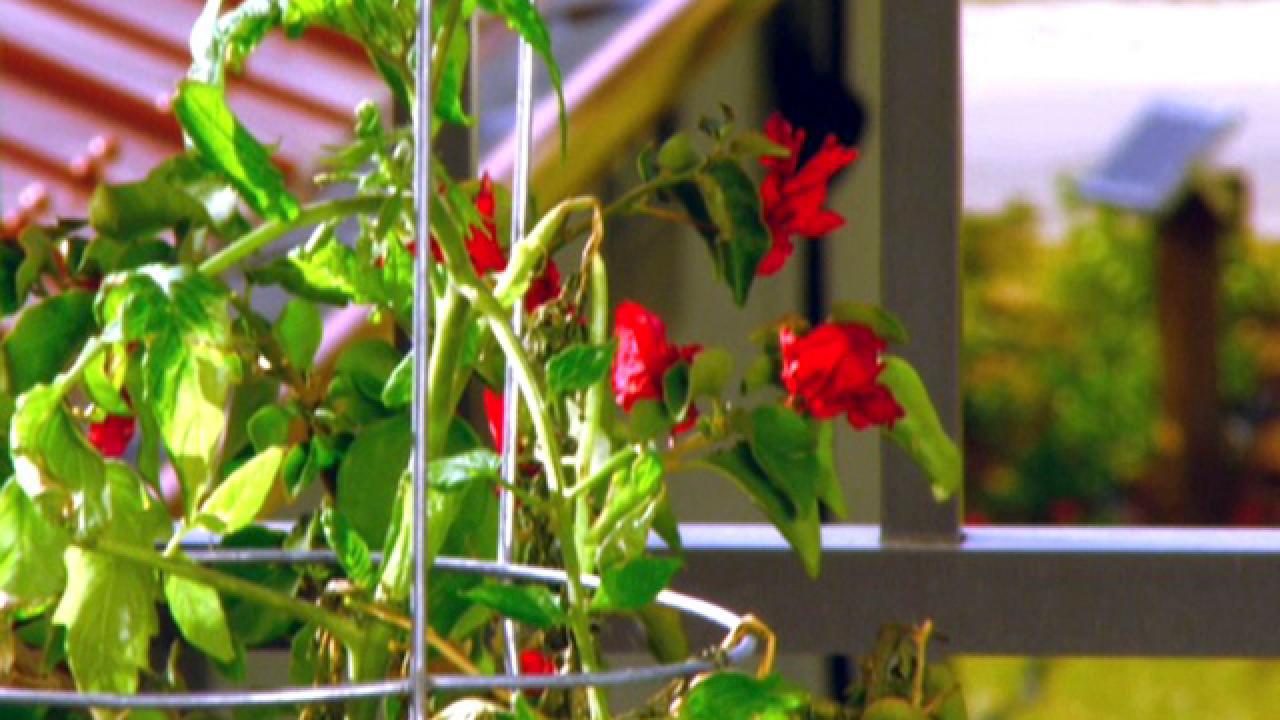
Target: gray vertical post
column 421, row 324
column 918, row 114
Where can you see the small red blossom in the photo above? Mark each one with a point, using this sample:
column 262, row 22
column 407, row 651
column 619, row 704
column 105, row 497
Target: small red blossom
column 494, row 412
column 537, row 662
column 644, row 355
column 792, row 197
column 832, row 371
column 112, row 436
column 544, row 288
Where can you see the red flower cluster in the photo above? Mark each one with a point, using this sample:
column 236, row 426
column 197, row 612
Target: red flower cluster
column 644, row 356
column 792, row 197
column 832, row 371
column 112, row 436
column 487, row 254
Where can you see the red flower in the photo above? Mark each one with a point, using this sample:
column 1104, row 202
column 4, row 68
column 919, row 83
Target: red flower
column 791, row 197
column 643, row 357
column 487, row 254
column 537, row 662
column 494, row 412
column 112, row 436
column 832, row 371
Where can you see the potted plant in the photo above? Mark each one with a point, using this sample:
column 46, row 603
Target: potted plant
column 135, row 334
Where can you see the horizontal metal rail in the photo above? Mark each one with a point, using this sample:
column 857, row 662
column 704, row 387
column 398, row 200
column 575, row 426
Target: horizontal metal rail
column 1113, row 591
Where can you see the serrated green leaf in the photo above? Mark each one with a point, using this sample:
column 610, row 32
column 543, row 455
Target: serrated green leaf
column 109, row 612
column 198, row 613
column 532, row 605
column 635, row 584
column 47, row 336
column 27, row 542
column 52, row 457
column 370, row 475
column 735, row 696
column 579, row 367
column 303, row 657
column 226, row 144
column 453, row 77
column 353, row 554
column 881, row 321
column 237, row 501
column 104, row 378
column 920, row 432
column 299, row 332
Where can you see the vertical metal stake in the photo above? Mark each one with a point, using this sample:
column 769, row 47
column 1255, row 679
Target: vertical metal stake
column 421, row 327
column 511, row 397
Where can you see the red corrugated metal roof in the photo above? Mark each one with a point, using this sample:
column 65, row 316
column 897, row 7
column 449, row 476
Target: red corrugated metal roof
column 85, row 88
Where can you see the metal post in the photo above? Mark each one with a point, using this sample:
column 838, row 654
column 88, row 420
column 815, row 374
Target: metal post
column 918, row 117
column 421, row 328
column 511, row 394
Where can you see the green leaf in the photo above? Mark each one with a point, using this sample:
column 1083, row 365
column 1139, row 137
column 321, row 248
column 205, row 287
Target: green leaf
column 532, row 605
column 269, row 426
column 299, row 332
column 37, row 256
column 830, row 490
column 710, row 373
column 920, row 432
column 369, row 364
column 743, row 240
column 522, row 16
column 675, row 391
column 353, row 553
column 457, row 472
column 678, row 155
column 579, row 367
column 303, row 657
column 252, row 624
column 53, row 461
column 11, row 296
column 664, row 633
column 197, row 611
column 238, row 500
column 800, row 525
column 735, row 696
column 47, row 337
column 642, row 483
column 104, row 378
column 784, row 446
column 225, row 143
column 635, row 584
column 370, row 474
column 649, row 421
column 453, row 77
column 109, row 612
column 398, row 392
column 881, row 321
column 144, row 208
column 28, row 578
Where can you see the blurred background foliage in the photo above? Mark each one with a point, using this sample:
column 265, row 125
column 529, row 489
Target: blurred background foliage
column 1061, row 367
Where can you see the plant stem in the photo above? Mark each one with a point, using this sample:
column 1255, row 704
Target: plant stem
column 442, row 367
column 273, row 230
column 341, row 627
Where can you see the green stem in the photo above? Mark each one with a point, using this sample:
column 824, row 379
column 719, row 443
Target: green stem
column 619, row 460
column 341, row 627
column 273, row 230
column 442, row 367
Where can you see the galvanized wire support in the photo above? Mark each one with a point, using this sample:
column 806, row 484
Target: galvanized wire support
column 511, row 394
column 421, row 357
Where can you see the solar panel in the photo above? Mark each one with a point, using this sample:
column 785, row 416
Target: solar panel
column 1150, row 164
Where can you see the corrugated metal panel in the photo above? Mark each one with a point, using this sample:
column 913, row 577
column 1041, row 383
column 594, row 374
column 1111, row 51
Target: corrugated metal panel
column 85, row 88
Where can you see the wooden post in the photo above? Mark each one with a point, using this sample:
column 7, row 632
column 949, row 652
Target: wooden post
column 1193, row 478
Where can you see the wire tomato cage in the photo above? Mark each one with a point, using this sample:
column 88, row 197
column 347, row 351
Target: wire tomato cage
column 737, row 648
